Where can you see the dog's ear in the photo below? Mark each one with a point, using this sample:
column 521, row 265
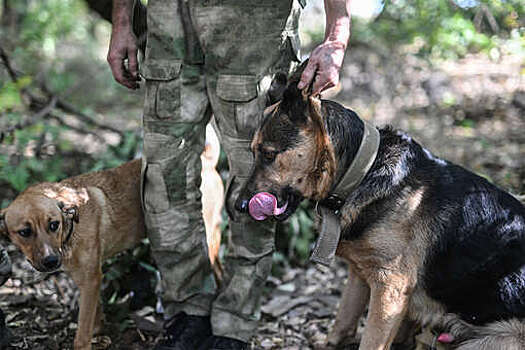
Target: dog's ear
column 276, row 90
column 69, row 211
column 294, row 101
column 324, row 170
column 296, row 75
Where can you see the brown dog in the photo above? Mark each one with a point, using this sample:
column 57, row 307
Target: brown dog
column 81, row 221
column 425, row 239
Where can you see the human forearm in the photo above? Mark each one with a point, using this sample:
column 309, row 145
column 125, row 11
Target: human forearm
column 123, row 45
column 322, row 70
column 337, row 21
column 121, row 15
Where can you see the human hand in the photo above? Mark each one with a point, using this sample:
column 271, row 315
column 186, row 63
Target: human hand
column 123, row 45
column 323, row 67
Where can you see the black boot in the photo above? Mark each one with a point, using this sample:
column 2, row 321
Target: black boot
column 223, row 343
column 185, row 332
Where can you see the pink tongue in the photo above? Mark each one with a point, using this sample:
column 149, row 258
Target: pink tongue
column 264, row 204
column 445, row 338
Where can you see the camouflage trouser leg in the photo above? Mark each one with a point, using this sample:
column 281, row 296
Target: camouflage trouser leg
column 243, row 43
column 176, row 111
column 241, row 58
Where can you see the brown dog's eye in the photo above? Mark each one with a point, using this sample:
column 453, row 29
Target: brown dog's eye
column 26, row 232
column 53, row 226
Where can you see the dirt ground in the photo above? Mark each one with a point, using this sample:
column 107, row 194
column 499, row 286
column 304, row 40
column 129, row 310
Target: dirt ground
column 471, row 112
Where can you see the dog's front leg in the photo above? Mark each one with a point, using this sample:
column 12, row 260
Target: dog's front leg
column 353, row 303
column 389, row 297
column 88, row 283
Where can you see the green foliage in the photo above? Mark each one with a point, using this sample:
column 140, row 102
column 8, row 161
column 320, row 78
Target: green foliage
column 10, row 93
column 457, row 36
column 442, row 28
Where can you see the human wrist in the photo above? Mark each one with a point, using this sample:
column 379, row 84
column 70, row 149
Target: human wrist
column 339, row 33
column 121, row 16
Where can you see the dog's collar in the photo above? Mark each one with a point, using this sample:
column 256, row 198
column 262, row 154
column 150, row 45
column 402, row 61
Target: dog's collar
column 330, row 230
column 68, row 237
column 363, row 160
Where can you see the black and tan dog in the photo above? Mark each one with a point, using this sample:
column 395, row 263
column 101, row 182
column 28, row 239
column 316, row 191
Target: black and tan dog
column 83, row 220
column 425, row 239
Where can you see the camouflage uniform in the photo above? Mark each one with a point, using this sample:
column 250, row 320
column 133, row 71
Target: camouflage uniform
column 204, row 57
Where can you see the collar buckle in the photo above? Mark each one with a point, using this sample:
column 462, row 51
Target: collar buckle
column 332, row 202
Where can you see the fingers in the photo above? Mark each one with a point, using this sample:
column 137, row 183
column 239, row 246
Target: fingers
column 118, row 52
column 308, row 75
column 121, row 74
column 133, row 64
column 324, row 80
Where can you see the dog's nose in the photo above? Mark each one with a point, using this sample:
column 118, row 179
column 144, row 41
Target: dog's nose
column 51, row 262
column 241, row 205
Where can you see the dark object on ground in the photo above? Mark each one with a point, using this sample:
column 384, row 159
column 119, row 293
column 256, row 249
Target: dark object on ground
column 185, row 332
column 5, row 266
column 223, row 343
column 5, row 334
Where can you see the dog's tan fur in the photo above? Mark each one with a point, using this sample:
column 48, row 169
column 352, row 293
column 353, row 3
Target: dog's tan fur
column 105, row 211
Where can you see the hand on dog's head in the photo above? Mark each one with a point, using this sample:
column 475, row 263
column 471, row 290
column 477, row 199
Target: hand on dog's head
column 281, row 83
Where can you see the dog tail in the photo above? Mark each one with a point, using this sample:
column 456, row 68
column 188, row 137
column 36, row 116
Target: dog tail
column 507, row 335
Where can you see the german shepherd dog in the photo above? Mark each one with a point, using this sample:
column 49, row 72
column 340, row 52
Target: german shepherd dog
column 425, row 238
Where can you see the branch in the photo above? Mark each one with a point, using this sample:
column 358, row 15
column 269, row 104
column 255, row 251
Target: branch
column 7, row 64
column 58, row 102
column 490, row 18
column 69, row 108
column 74, row 128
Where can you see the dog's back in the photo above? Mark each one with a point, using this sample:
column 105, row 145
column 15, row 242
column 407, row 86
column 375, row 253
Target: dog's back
column 116, row 193
column 477, row 263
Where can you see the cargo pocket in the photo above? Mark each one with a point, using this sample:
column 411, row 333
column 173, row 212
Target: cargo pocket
column 163, row 89
column 155, row 197
column 239, row 93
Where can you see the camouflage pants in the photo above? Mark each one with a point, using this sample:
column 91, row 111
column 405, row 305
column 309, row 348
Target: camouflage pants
column 207, row 57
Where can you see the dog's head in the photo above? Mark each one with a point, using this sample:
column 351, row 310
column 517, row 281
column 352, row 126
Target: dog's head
column 294, row 157
column 39, row 223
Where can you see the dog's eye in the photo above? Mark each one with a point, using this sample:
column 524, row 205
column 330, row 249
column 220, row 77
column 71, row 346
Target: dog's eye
column 53, row 226
column 26, row 232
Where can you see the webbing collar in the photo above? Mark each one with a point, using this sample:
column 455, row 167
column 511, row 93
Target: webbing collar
column 68, row 237
column 356, row 172
column 330, row 230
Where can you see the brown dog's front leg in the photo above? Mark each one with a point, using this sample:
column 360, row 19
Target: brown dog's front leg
column 389, row 300
column 89, row 286
column 353, row 303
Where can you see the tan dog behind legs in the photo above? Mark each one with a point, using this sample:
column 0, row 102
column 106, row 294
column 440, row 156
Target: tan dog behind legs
column 81, row 221
column 212, row 197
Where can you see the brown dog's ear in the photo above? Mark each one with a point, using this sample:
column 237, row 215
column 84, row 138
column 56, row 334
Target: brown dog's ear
column 70, row 212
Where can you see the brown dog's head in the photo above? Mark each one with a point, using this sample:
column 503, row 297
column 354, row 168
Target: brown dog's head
column 39, row 222
column 294, row 157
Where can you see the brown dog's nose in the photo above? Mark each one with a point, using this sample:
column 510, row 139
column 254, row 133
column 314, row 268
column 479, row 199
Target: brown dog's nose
column 51, row 262
column 241, row 205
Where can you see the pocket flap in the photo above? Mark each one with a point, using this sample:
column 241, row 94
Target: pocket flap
column 237, row 88
column 160, row 69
